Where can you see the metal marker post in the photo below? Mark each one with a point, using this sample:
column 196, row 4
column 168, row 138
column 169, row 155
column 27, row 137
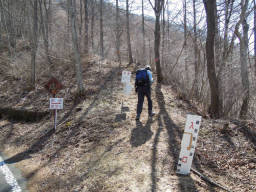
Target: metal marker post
column 54, row 86
column 122, row 104
column 55, row 104
column 55, row 115
column 55, row 119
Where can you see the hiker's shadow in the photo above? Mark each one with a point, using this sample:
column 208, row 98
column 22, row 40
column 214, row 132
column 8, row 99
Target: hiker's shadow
column 141, row 134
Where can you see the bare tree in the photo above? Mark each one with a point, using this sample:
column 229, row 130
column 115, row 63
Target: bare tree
column 101, row 30
column 34, row 42
column 226, row 51
column 210, row 9
column 92, row 3
column 168, row 25
column 7, row 21
column 185, row 21
column 143, row 33
column 254, row 19
column 45, row 8
column 243, row 38
column 163, row 35
column 128, row 33
column 157, row 10
column 78, row 68
column 118, row 32
column 81, row 18
column 194, row 90
column 86, row 27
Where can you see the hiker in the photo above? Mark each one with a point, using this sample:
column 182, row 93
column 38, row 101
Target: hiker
column 143, row 83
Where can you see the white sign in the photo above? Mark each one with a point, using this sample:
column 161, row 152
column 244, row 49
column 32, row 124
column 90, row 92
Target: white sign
column 127, row 88
column 126, row 77
column 188, row 144
column 56, row 103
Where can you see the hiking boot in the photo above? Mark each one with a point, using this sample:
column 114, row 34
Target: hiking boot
column 151, row 113
column 137, row 117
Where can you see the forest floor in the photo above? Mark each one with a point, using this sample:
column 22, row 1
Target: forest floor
column 99, row 147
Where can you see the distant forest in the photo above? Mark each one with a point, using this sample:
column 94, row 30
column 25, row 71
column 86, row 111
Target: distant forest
column 205, row 49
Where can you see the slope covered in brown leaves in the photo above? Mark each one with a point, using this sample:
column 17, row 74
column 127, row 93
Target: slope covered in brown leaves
column 99, row 147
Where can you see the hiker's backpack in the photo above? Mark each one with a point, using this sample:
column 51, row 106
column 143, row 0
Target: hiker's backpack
column 141, row 77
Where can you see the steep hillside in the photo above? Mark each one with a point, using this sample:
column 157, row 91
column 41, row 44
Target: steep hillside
column 99, row 147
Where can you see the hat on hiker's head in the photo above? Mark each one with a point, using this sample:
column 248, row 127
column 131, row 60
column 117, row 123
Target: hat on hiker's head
column 148, row 67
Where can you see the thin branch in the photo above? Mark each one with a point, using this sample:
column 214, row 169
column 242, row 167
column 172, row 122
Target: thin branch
column 151, row 5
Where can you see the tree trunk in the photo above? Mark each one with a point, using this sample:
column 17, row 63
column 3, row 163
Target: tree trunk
column 78, row 68
column 49, row 14
column 185, row 20
column 218, row 56
column 254, row 19
column 157, row 10
column 143, row 33
column 81, row 19
column 194, row 90
column 86, row 28
column 34, row 40
column 163, row 37
column 118, row 33
column 168, row 26
column 45, row 32
column 244, row 69
column 244, row 58
column 157, row 45
column 6, row 20
column 11, row 27
column 101, row 30
column 128, row 33
column 225, row 54
column 210, row 7
column 48, row 11
column 92, row 23
column 150, row 52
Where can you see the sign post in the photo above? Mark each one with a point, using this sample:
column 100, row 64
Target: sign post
column 54, row 86
column 188, row 144
column 126, row 77
column 56, row 103
column 127, row 88
column 55, row 119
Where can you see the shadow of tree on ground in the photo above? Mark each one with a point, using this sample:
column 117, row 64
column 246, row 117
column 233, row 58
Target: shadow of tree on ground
column 41, row 141
column 186, row 183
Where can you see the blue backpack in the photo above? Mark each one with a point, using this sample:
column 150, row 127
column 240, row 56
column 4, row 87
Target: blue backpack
column 141, row 77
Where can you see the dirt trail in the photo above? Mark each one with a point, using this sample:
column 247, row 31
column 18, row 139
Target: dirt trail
column 96, row 148
column 134, row 157
column 104, row 152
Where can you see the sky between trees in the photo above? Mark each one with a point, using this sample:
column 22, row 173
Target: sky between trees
column 176, row 14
